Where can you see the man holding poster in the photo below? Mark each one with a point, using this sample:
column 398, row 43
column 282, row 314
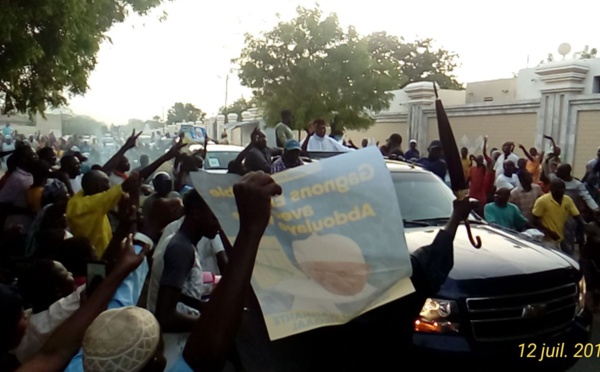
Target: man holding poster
column 334, row 253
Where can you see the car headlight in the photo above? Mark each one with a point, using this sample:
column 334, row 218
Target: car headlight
column 438, row 316
column 581, row 300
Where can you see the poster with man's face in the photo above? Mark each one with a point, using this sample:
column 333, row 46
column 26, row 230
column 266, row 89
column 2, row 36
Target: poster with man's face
column 334, row 247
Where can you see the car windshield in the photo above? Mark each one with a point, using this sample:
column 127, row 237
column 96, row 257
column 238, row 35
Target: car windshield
column 422, row 196
column 220, row 159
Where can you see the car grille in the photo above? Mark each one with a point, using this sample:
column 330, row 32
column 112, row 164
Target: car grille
column 513, row 317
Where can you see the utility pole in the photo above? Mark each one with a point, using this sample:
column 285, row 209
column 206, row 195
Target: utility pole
column 226, row 89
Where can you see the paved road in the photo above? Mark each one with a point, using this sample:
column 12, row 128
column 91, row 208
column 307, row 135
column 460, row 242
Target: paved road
column 590, row 364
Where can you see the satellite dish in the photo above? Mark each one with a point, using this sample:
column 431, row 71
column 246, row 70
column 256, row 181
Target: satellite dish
column 564, row 49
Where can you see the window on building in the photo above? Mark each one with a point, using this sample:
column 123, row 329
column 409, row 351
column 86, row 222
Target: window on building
column 596, row 86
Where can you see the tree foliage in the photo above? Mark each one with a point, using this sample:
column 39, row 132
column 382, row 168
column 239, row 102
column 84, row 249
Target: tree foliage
column 317, row 69
column 415, row 61
column 48, row 48
column 184, row 112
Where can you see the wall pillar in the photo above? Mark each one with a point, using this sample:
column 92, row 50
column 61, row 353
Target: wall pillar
column 421, row 96
column 561, row 81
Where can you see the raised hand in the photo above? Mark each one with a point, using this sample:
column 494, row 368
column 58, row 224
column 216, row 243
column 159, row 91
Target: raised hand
column 253, row 197
column 177, row 146
column 131, row 141
column 462, row 209
column 312, row 127
column 124, row 210
column 550, row 139
column 128, row 260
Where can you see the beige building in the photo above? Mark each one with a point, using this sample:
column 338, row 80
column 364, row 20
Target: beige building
column 560, row 99
column 23, row 124
column 497, row 91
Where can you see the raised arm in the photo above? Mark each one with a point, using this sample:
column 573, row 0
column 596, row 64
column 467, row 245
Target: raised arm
column 146, row 172
column 432, row 264
column 126, row 226
column 258, row 162
column 551, row 140
column 66, row 340
column 311, row 131
column 242, row 155
column 214, row 334
column 114, row 160
column 485, row 141
column 526, row 153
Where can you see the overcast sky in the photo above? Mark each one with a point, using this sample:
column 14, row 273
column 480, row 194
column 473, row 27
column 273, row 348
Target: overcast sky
column 152, row 64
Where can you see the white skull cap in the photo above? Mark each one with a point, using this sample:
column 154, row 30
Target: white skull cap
column 120, row 340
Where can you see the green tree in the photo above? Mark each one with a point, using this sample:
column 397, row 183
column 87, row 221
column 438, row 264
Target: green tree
column 414, row 61
column 184, row 112
column 48, row 48
column 317, row 69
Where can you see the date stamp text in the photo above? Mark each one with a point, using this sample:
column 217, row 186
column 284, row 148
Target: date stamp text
column 559, row 350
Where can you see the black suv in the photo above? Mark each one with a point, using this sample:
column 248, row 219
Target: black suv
column 500, row 301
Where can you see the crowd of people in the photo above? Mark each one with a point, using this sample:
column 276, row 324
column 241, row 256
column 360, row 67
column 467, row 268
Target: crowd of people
column 113, row 269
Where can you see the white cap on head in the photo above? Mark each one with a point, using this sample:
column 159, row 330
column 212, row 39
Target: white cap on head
column 120, row 340
column 412, row 141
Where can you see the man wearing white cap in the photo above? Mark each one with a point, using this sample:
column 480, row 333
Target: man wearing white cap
column 124, row 339
column 412, row 152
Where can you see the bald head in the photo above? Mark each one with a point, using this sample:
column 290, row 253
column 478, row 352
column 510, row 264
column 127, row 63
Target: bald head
column 163, row 184
column 501, row 196
column 563, row 171
column 94, row 182
column 123, row 164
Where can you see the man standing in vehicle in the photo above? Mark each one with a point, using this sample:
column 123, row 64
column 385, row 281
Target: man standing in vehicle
column 283, row 132
column 259, row 156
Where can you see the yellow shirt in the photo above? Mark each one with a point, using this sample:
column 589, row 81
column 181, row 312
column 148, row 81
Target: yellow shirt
column 534, row 168
column 34, row 198
column 88, row 216
column 466, row 164
column 554, row 215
